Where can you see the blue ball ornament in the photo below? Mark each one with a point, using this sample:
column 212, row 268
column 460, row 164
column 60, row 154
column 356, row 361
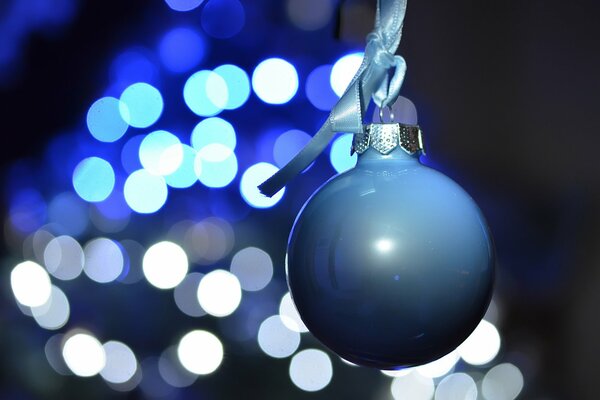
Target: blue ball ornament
column 390, row 264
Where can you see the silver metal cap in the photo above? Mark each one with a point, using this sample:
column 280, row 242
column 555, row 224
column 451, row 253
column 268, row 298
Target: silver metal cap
column 386, row 137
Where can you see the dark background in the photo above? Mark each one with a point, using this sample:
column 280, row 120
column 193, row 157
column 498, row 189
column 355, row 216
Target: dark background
column 508, row 97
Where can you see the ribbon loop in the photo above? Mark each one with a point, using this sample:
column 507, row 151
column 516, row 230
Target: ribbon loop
column 371, row 81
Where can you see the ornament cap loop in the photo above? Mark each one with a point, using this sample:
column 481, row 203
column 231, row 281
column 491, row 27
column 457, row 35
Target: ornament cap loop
column 386, row 137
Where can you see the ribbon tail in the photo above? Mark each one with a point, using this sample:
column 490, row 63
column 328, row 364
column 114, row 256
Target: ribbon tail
column 299, row 163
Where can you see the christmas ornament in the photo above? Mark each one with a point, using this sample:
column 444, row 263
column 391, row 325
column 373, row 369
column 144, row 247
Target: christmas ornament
column 390, row 264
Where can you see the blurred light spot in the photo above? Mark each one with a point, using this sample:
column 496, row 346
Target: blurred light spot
column 104, row 119
column 213, row 131
column 482, row 346
column 206, row 93
column 412, row 387
column 27, row 210
column 184, row 176
column 63, row 258
column 111, row 215
column 219, row 293
column 182, row 49
column 172, row 371
column 161, row 153
column 53, row 314
column 288, row 145
column 103, row 260
column 439, row 367
column 275, row 81
column 69, row 213
column 84, row 355
column 289, row 314
column 238, row 85
column 145, row 193
column 456, row 387
column 93, row 179
column 310, row 15
column 121, row 364
column 275, row 339
column 311, row 370
column 130, row 154
column 253, row 267
column 53, row 351
column 41, row 238
column 503, row 382
column 339, row 156
column 186, row 295
column 343, row 71
column 209, row 240
column 165, row 265
column 216, row 166
column 131, row 66
column 254, row 176
column 223, row 19
column 183, row 5
column 318, row 88
column 30, row 284
column 200, row 352
column 141, row 105
column 133, row 253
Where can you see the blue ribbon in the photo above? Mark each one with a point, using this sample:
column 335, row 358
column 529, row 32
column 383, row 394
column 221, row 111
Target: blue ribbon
column 371, row 81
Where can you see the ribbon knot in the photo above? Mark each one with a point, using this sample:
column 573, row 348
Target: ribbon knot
column 371, row 81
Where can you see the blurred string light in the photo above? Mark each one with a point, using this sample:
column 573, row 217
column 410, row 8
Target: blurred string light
column 208, row 240
column 206, row 93
column 310, row 15
column 200, row 352
column 223, row 19
column 276, row 339
column 121, row 363
column 144, row 192
column 104, row 119
column 182, row 49
column 54, row 314
column 238, row 85
column 216, row 165
column 213, row 131
column 93, row 179
column 412, row 386
column 318, row 88
column 289, row 314
column 161, row 153
column 104, row 260
column 184, row 176
column 132, row 66
column 482, row 346
column 165, row 265
column 130, row 159
column 253, row 267
column 83, row 354
column 275, row 81
column 339, row 156
column 30, row 284
column 141, row 105
column 288, row 144
column 343, row 71
column 456, row 386
column 171, row 370
column 183, row 5
column 219, row 293
column 439, row 367
column 74, row 222
column 64, row 258
column 502, row 382
column 311, row 370
column 252, row 177
column 186, row 295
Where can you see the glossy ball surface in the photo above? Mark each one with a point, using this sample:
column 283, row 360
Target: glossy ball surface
column 390, row 264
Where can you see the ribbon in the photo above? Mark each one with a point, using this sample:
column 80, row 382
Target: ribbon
column 371, row 81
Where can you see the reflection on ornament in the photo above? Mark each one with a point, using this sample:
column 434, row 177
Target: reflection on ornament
column 390, row 264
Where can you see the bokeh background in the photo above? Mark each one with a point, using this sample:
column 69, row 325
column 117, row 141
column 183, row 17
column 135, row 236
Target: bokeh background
column 134, row 133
